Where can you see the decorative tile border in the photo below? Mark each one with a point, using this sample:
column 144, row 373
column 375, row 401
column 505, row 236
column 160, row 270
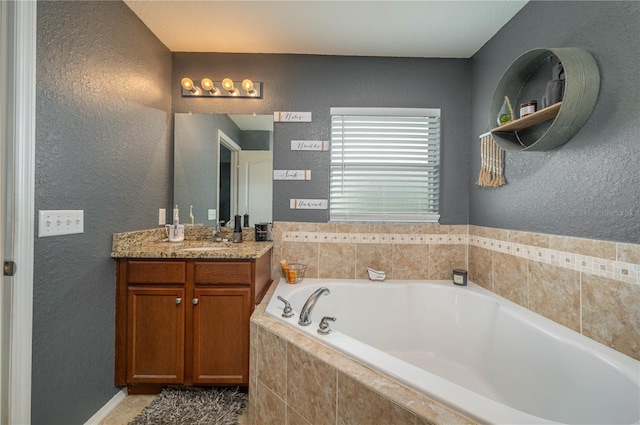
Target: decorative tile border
column 624, row 271
column 379, row 238
column 612, row 269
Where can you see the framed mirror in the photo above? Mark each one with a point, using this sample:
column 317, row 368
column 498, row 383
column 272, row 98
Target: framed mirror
column 223, row 165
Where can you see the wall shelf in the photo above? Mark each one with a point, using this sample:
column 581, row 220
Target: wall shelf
column 526, row 79
column 546, row 114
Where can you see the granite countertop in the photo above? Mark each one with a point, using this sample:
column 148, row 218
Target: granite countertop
column 152, row 244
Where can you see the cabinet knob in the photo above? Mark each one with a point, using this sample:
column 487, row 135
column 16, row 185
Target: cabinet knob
column 178, row 300
column 194, row 301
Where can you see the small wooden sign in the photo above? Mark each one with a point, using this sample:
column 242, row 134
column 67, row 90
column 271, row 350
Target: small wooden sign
column 292, row 174
column 308, row 204
column 309, row 145
column 292, row 116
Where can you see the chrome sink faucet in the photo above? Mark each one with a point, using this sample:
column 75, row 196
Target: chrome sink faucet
column 217, row 233
column 305, row 313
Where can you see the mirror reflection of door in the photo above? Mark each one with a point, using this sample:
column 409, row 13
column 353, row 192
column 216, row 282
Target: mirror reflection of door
column 225, row 184
column 255, row 185
column 227, row 177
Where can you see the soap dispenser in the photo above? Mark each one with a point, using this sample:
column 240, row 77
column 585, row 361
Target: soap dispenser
column 176, row 230
column 191, row 217
column 237, row 230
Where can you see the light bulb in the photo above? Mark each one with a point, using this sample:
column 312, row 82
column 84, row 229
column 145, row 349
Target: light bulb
column 247, row 85
column 207, row 84
column 187, row 83
column 227, row 84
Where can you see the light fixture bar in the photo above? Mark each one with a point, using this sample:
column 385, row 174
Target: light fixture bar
column 209, row 88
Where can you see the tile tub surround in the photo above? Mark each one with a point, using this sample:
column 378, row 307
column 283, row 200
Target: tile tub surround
column 590, row 286
column 294, row 379
column 344, row 251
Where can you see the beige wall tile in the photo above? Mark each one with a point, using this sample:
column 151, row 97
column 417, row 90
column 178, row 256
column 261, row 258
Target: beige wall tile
column 591, row 247
column 337, row 261
column 317, row 227
column 393, row 228
column 301, row 252
column 528, row 238
column 611, row 313
column 410, row 262
column 355, row 228
column 285, row 226
column 481, row 266
column 554, row 292
column 269, row 408
column 358, row 404
column 511, row 275
column 272, row 362
column 492, row 233
column 629, row 253
column 294, row 418
column 253, row 373
column 376, row 256
column 311, row 387
column 458, row 229
column 429, row 229
column 444, row 258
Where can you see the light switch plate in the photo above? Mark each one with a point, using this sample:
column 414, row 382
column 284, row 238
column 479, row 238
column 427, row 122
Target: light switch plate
column 60, row 222
column 211, row 214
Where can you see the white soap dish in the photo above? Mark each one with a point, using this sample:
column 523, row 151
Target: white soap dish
column 376, row 275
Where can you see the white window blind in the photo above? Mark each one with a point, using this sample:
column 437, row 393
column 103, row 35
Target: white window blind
column 385, row 164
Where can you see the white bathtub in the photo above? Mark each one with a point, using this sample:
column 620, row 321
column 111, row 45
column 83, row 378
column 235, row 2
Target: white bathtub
column 472, row 350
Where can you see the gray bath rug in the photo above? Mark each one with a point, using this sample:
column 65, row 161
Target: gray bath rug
column 193, row 406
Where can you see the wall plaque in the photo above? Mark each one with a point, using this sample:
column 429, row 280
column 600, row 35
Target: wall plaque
column 292, row 174
column 309, row 145
column 308, row 204
column 292, row 116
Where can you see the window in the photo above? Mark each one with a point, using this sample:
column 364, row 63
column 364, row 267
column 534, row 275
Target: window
column 384, row 164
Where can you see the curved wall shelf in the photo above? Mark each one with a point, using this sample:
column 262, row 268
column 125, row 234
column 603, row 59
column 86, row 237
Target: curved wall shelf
column 555, row 125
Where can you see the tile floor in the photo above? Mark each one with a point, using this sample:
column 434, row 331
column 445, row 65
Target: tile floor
column 128, row 408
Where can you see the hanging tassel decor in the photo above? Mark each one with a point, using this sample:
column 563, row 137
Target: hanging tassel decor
column 492, row 165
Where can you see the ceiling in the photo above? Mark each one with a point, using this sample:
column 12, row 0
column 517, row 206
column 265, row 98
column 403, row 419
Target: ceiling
column 418, row 28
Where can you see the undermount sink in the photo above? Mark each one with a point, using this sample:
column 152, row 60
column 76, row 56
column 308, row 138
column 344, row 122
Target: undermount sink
column 204, row 248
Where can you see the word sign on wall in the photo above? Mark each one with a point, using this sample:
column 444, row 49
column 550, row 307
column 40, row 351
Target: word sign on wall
column 292, row 116
column 309, row 145
column 292, row 174
column 308, row 204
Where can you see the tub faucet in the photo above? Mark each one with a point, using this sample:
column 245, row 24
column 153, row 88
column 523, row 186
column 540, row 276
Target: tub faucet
column 305, row 313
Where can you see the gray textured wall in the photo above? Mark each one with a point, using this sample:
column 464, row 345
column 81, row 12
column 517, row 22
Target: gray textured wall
column 589, row 187
column 103, row 145
column 316, row 83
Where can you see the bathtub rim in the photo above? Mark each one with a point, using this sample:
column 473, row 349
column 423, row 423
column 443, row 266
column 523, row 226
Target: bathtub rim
column 625, row 364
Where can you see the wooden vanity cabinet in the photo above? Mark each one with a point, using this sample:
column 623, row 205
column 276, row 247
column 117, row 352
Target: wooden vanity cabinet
column 185, row 321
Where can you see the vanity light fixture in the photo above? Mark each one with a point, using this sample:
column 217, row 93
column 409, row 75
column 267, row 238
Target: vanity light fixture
column 225, row 88
column 208, row 86
column 247, row 85
column 228, row 85
column 187, row 84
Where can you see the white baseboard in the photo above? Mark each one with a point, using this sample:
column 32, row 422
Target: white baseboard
column 107, row 408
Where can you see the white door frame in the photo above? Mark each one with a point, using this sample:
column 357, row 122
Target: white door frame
column 228, row 142
column 19, row 109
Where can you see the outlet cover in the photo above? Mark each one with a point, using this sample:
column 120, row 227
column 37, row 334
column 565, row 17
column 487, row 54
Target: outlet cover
column 211, row 214
column 60, row 222
column 162, row 216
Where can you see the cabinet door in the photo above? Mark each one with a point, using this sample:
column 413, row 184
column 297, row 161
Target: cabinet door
column 221, row 335
column 156, row 328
